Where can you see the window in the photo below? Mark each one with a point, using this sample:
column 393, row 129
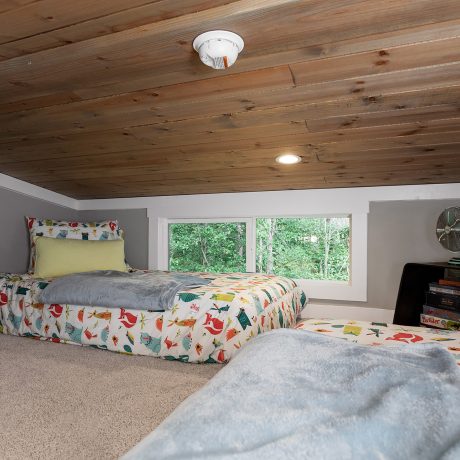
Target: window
column 207, row 247
column 305, row 248
column 302, row 248
column 327, row 255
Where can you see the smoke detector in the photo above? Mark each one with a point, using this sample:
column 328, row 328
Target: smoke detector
column 218, row 49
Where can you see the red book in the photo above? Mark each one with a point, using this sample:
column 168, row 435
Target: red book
column 455, row 283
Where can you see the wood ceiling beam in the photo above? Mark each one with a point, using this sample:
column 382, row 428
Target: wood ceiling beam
column 51, row 24
column 266, row 180
column 107, row 61
column 243, row 166
column 135, row 109
column 440, row 31
column 415, row 105
column 162, row 158
column 71, row 147
column 43, row 16
column 9, row 5
column 83, row 193
column 390, row 117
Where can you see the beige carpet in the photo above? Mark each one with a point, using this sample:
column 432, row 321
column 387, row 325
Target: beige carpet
column 62, row 401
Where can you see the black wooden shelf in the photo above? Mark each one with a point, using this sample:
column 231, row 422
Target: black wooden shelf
column 411, row 295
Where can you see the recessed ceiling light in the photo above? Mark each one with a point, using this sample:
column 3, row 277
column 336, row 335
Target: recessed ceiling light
column 288, row 159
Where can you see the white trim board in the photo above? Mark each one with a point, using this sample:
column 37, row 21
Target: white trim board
column 322, row 311
column 24, row 188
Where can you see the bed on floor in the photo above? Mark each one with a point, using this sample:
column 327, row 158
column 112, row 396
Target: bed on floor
column 195, row 317
column 299, row 394
column 383, row 334
column 204, row 324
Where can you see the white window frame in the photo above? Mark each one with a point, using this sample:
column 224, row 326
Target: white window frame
column 353, row 290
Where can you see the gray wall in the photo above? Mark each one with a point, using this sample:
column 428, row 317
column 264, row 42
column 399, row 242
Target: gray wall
column 14, row 242
column 399, row 232
column 135, row 224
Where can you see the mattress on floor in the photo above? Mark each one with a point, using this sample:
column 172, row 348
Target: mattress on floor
column 371, row 333
column 206, row 324
column 292, row 394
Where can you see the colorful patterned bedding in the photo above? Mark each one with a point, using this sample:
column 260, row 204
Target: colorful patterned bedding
column 377, row 334
column 206, row 324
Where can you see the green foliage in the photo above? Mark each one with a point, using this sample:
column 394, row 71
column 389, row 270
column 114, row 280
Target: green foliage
column 310, row 248
column 218, row 248
column 304, row 247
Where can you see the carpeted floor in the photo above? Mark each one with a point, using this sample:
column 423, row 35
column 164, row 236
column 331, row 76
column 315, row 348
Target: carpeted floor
column 63, row 401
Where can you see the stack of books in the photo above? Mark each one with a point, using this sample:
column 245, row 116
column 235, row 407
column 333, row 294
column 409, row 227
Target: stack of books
column 442, row 306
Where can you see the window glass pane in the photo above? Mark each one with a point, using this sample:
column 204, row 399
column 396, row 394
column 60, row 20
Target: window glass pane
column 309, row 248
column 213, row 247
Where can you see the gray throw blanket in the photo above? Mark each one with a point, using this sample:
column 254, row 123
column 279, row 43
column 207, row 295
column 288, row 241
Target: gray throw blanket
column 300, row 395
column 106, row 288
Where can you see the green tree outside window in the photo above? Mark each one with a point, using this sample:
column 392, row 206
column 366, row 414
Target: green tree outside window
column 309, row 248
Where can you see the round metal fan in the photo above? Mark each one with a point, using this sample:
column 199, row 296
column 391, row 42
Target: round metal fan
column 448, row 229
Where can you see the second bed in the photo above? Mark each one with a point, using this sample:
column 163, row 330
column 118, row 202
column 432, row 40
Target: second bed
column 205, row 324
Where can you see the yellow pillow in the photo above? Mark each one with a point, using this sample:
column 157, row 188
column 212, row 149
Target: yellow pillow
column 57, row 257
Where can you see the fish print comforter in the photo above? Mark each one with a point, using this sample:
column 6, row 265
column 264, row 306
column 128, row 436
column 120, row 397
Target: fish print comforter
column 380, row 334
column 207, row 324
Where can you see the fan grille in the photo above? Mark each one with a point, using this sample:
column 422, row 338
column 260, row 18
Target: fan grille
column 448, row 229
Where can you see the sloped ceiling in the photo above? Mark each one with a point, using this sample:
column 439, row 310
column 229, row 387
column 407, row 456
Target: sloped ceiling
column 103, row 99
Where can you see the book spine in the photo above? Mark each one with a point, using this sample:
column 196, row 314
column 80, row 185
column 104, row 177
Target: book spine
column 455, row 283
column 440, row 313
column 452, row 273
column 440, row 323
column 443, row 301
column 449, row 290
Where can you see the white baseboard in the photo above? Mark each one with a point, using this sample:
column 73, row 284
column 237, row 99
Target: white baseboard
column 321, row 311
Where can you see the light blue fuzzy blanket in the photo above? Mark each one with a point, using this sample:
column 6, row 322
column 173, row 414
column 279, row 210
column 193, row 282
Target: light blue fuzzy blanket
column 152, row 290
column 300, row 395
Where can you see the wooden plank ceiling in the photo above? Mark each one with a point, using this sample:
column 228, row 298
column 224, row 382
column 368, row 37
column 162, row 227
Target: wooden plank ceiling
column 103, row 99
